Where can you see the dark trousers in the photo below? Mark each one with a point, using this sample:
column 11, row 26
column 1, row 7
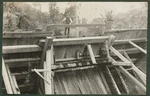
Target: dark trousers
column 67, row 29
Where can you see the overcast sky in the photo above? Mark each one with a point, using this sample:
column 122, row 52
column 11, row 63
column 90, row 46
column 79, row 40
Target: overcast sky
column 92, row 10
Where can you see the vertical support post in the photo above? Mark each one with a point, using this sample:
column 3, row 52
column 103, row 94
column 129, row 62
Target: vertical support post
column 48, row 65
column 6, row 79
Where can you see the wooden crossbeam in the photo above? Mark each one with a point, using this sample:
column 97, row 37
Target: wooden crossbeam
column 74, row 25
column 138, row 47
column 56, row 42
column 21, row 60
column 90, row 50
column 121, row 64
column 124, row 30
column 77, row 41
column 21, row 48
column 6, row 79
column 74, row 68
column 119, row 54
column 126, row 41
column 25, row 34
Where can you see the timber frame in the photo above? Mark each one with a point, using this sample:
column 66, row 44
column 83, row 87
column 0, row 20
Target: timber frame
column 50, row 63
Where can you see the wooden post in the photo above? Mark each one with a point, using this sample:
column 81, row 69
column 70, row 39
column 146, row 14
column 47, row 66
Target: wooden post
column 91, row 54
column 138, row 47
column 6, row 79
column 49, row 62
column 47, row 41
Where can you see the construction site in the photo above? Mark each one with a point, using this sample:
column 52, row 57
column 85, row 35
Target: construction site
column 102, row 61
column 36, row 63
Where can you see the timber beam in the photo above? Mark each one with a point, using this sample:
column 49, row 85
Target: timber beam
column 126, row 41
column 75, row 25
column 138, row 47
column 61, row 42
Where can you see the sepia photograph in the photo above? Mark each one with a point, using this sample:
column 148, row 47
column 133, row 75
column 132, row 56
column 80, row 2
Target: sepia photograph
column 74, row 48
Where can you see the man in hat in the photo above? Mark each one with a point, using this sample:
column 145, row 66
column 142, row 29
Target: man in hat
column 67, row 20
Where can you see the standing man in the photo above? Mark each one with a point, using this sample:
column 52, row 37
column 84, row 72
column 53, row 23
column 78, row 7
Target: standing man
column 67, row 20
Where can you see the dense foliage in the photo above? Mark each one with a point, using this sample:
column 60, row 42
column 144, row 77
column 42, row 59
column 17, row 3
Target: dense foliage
column 24, row 16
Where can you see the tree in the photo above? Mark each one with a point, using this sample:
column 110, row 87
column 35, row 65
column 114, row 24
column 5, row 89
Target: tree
column 135, row 18
column 37, row 5
column 84, row 21
column 54, row 12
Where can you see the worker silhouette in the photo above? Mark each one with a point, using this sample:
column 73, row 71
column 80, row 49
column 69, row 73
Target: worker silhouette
column 67, row 20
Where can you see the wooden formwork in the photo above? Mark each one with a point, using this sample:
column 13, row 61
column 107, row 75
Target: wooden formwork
column 85, row 65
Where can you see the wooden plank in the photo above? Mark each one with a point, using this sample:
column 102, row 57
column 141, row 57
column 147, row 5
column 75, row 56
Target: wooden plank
column 77, row 41
column 124, row 30
column 121, row 64
column 16, row 85
column 140, row 74
column 25, row 34
column 21, row 48
column 113, row 81
column 138, row 47
column 52, row 73
column 21, row 60
column 123, row 82
column 74, row 25
column 41, row 76
column 126, row 41
column 56, row 42
column 20, row 73
column 74, row 68
column 11, row 80
column 104, row 81
column 6, row 78
column 118, row 54
column 91, row 54
column 133, row 79
column 128, row 51
column 36, row 48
